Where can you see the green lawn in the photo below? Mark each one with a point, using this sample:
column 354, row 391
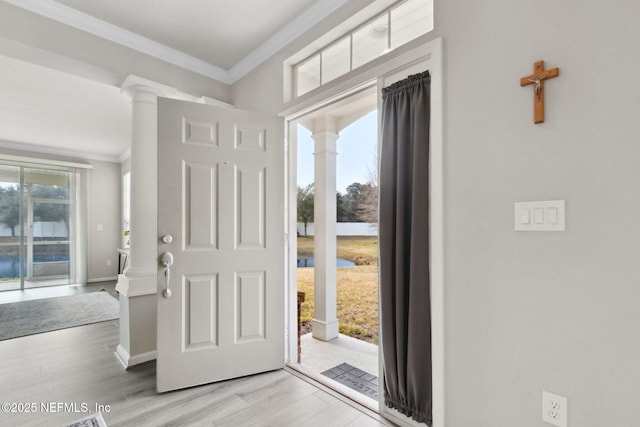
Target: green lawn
column 357, row 287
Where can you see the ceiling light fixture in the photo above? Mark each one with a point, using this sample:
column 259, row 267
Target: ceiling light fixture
column 379, row 31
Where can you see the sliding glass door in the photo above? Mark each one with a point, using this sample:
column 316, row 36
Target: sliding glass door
column 11, row 259
column 36, row 226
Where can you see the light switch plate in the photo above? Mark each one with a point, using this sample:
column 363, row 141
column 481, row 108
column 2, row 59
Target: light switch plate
column 539, row 216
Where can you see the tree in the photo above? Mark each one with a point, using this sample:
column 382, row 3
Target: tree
column 50, row 212
column 306, row 205
column 10, row 207
column 368, row 204
column 341, row 212
column 46, row 212
column 360, row 203
column 351, row 201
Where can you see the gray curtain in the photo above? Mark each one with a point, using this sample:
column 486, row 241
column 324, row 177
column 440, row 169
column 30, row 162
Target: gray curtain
column 404, row 247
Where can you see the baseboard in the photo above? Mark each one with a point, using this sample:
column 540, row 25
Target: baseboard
column 103, row 279
column 129, row 361
column 137, row 286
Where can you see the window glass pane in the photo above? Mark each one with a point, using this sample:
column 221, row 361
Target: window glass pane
column 336, row 60
column 308, row 75
column 411, row 19
column 9, row 227
column 47, row 209
column 370, row 41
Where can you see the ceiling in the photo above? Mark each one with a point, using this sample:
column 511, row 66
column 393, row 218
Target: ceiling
column 219, row 32
column 46, row 110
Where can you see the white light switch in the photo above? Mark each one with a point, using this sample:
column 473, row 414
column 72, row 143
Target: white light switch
column 540, row 216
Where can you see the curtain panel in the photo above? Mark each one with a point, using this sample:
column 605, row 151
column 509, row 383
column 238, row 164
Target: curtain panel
column 404, row 247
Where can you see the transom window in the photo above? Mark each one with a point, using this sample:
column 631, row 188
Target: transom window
column 401, row 23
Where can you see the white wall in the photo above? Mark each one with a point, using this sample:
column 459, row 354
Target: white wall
column 527, row 312
column 104, row 210
column 344, row 229
column 533, row 311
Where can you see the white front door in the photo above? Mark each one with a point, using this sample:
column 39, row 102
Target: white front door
column 221, row 198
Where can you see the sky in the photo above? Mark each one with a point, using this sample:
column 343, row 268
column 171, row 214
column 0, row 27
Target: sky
column 356, row 148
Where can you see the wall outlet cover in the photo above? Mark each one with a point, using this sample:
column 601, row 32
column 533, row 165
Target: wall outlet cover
column 554, row 409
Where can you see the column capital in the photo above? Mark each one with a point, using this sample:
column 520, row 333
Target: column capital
column 134, row 85
column 325, row 142
column 324, row 135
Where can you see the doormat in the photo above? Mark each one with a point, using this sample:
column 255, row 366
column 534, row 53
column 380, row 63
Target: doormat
column 95, row 420
column 23, row 318
column 354, row 378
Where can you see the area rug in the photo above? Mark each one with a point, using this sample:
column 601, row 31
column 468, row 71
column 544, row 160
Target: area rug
column 44, row 315
column 355, row 379
column 95, row 420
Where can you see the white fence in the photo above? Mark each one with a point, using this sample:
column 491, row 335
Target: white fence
column 40, row 229
column 345, row 229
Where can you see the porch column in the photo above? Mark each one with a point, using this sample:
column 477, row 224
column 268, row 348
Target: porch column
column 325, row 321
column 138, row 284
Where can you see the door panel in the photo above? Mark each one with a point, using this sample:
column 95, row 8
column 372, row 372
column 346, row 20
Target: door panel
column 221, row 197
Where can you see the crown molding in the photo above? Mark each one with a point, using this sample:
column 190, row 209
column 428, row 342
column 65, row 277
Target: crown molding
column 84, row 22
column 124, row 156
column 60, row 152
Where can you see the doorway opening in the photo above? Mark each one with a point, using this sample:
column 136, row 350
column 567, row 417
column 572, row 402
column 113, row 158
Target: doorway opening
column 37, row 226
column 337, row 245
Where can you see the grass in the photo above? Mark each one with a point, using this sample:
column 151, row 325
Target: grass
column 361, row 250
column 357, row 287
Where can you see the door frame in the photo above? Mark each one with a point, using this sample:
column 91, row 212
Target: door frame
column 420, row 50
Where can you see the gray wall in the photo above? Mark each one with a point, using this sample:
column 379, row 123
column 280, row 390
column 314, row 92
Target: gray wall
column 533, row 311
column 104, row 209
column 527, row 312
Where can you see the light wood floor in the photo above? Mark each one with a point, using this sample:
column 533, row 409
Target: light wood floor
column 77, row 367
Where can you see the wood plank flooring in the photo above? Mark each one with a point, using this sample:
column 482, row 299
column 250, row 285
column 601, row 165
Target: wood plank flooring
column 77, row 367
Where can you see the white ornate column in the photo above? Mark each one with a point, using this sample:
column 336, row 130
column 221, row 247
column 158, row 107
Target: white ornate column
column 138, row 284
column 325, row 321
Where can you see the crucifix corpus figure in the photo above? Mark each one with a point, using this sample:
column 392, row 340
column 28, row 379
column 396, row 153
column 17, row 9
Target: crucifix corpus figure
column 537, row 80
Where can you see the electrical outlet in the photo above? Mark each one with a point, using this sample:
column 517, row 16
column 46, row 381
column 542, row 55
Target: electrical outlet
column 108, row 262
column 554, row 409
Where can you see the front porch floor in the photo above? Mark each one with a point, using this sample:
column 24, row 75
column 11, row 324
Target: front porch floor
column 319, row 356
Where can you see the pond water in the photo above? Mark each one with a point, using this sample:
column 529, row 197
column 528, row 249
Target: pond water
column 308, row 262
